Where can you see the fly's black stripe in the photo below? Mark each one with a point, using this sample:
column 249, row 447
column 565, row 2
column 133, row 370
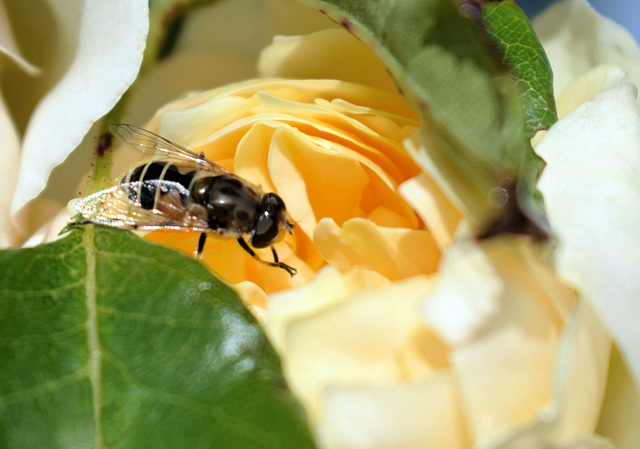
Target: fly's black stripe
column 154, row 171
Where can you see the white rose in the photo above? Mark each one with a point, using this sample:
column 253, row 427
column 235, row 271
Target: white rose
column 88, row 54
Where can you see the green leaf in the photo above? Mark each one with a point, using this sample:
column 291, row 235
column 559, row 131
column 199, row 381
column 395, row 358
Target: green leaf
column 107, row 340
column 475, row 121
column 525, row 58
column 527, row 62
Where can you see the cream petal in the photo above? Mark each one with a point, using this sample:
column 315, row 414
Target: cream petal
column 409, row 415
column 433, row 206
column 502, row 314
column 185, row 71
column 51, row 230
column 586, row 441
column 109, row 52
column 581, row 365
column 576, row 39
column 351, row 333
column 592, row 193
column 396, row 253
column 326, row 54
column 330, row 287
column 586, row 87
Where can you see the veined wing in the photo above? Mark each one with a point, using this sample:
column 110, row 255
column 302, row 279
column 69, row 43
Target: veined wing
column 152, row 144
column 118, row 206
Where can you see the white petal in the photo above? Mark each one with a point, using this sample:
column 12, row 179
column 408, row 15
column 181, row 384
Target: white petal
column 577, row 39
column 9, row 155
column 110, row 46
column 592, row 191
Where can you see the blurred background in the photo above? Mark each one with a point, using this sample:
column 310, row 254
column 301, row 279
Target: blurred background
column 625, row 12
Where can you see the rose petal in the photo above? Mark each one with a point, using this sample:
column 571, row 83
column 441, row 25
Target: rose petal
column 579, row 385
column 592, row 193
column 494, row 312
column 576, row 39
column 169, row 80
column 107, row 60
column 329, row 287
column 352, row 334
column 9, row 155
column 621, row 408
column 326, row 54
column 587, row 86
column 413, row 415
column 396, row 253
column 435, row 209
column 502, row 312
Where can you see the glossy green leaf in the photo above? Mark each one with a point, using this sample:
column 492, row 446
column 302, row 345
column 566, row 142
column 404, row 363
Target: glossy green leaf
column 107, row 340
column 476, row 122
column 526, row 60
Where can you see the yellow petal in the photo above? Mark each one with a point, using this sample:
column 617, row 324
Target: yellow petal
column 329, row 54
column 433, row 206
column 396, row 253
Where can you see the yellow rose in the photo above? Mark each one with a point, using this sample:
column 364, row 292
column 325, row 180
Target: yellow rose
column 333, row 151
column 87, row 54
column 493, row 350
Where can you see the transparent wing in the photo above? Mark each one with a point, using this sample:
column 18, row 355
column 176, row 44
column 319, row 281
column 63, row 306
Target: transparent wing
column 118, row 206
column 152, row 144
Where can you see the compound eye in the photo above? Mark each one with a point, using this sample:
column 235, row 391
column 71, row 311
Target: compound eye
column 266, row 231
column 273, row 203
column 267, row 227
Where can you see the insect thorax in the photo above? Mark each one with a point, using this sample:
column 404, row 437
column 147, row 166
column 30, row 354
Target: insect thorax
column 230, row 202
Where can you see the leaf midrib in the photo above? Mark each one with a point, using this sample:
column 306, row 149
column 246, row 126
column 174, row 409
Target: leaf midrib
column 93, row 337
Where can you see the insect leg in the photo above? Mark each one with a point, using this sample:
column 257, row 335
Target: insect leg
column 275, row 255
column 203, row 238
column 292, row 271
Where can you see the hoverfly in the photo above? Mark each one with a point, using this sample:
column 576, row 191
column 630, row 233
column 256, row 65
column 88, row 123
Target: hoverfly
column 183, row 191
